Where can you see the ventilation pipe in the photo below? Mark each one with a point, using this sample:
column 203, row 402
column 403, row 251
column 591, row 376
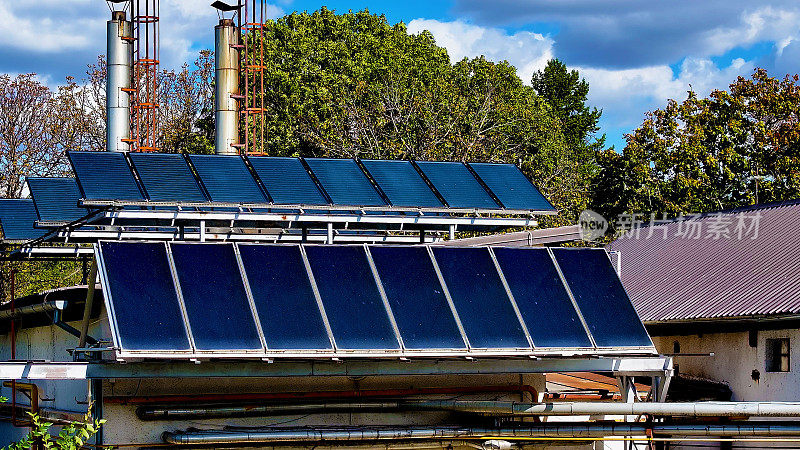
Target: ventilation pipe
column 118, row 80
column 226, row 111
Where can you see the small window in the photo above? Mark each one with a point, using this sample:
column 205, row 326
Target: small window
column 777, row 355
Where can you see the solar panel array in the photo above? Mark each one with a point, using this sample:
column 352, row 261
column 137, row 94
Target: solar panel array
column 319, row 301
column 378, row 184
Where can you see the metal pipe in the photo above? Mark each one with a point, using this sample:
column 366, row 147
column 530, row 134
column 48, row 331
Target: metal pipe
column 242, row 436
column 119, row 57
column 364, row 393
column 226, row 110
column 33, row 309
column 694, row 409
column 496, row 408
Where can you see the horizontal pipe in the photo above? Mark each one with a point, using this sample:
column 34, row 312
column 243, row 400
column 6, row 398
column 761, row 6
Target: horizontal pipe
column 560, row 430
column 694, row 409
column 363, row 393
column 496, row 408
column 33, row 309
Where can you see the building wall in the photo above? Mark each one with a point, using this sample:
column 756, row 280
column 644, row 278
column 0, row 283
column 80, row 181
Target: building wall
column 735, row 360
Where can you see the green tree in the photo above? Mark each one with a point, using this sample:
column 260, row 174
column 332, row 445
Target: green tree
column 352, row 85
column 733, row 148
column 566, row 92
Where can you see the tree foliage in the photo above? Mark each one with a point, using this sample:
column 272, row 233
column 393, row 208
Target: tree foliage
column 352, row 85
column 733, row 148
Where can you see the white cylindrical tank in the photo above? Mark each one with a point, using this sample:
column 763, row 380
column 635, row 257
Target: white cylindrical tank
column 118, row 77
column 226, row 110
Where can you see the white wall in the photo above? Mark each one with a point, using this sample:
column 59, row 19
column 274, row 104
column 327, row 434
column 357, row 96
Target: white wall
column 734, row 361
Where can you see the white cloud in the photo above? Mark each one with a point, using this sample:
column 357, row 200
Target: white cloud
column 41, row 30
column 526, row 51
column 626, row 94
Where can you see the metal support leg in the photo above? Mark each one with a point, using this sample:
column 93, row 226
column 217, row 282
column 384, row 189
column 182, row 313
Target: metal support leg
column 87, row 307
column 96, row 402
column 452, row 232
column 202, row 231
column 330, row 234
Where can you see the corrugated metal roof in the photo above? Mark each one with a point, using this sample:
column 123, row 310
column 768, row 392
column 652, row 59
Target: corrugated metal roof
column 678, row 277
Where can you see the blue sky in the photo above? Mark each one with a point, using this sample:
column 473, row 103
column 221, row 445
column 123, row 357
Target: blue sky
column 635, row 54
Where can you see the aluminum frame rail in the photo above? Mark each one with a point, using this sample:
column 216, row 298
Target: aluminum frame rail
column 653, row 366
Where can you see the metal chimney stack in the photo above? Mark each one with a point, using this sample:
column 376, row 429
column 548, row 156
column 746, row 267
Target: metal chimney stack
column 226, row 109
column 118, row 77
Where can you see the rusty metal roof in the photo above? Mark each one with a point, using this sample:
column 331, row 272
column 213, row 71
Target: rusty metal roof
column 672, row 275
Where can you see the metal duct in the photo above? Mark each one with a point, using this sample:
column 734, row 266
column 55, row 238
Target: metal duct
column 226, row 110
column 496, row 408
column 554, row 430
column 118, row 78
column 695, row 409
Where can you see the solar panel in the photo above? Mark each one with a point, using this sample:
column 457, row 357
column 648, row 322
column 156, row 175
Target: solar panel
column 480, row 298
column 104, row 176
column 283, row 296
column 541, row 297
column 17, row 216
column 417, row 299
column 227, row 179
column 457, row 185
column 511, row 186
column 401, row 183
column 141, row 297
column 601, row 298
column 353, row 304
column 216, row 302
column 56, row 199
column 287, row 181
column 344, row 182
column 167, row 177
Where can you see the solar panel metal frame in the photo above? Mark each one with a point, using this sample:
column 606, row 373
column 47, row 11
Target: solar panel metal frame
column 335, row 352
column 386, row 352
column 584, row 321
column 227, row 352
column 320, row 306
column 45, row 223
column 121, row 351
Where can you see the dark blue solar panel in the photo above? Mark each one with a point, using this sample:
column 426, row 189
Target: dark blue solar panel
column 352, row 302
column 417, row 299
column 601, row 298
column 216, row 301
column 284, row 299
column 56, row 199
column 511, row 186
column 457, row 185
column 142, row 296
column 541, row 297
column 287, row 181
column 401, row 183
column 167, row 177
column 17, row 217
column 481, row 300
column 104, row 176
column 227, row 179
column 344, row 182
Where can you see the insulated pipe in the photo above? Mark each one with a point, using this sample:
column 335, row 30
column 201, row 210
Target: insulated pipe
column 119, row 58
column 496, row 408
column 252, row 436
column 696, row 409
column 226, row 110
column 33, row 309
